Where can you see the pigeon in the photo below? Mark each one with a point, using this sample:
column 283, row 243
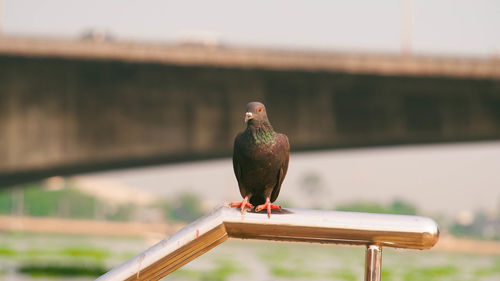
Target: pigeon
column 260, row 161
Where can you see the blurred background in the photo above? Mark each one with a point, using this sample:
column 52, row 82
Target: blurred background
column 117, row 120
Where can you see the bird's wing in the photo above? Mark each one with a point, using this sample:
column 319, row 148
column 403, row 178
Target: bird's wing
column 237, row 165
column 284, row 153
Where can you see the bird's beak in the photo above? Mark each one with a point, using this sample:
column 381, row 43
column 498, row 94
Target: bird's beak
column 248, row 116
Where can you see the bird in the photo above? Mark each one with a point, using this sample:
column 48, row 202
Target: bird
column 260, row 161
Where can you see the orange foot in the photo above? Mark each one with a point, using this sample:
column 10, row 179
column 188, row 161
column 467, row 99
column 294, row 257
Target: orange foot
column 267, row 206
column 243, row 205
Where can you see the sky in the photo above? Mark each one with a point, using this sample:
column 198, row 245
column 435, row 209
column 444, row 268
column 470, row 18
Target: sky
column 446, row 27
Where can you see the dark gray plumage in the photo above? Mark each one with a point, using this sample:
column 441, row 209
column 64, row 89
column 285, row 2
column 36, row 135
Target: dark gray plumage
column 260, row 160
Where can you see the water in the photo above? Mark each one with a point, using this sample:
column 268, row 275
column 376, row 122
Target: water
column 445, row 178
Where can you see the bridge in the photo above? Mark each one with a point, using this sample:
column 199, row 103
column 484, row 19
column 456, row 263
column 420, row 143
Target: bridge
column 75, row 106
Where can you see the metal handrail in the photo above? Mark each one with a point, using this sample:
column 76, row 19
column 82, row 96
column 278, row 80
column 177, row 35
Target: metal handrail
column 297, row 225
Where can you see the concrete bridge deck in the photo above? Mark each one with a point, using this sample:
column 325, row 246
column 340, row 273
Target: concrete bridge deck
column 74, row 106
column 233, row 57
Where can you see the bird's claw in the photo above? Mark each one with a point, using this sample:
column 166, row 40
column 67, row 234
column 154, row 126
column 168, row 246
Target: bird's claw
column 243, row 205
column 269, row 207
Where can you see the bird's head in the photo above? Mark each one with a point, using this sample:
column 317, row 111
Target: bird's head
column 256, row 114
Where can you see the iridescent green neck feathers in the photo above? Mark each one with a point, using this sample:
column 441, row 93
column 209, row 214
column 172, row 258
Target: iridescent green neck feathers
column 263, row 134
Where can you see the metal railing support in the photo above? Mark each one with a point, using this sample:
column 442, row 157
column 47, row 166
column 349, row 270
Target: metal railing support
column 296, row 225
column 373, row 263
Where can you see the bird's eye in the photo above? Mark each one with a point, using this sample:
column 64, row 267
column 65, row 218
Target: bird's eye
column 260, row 109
